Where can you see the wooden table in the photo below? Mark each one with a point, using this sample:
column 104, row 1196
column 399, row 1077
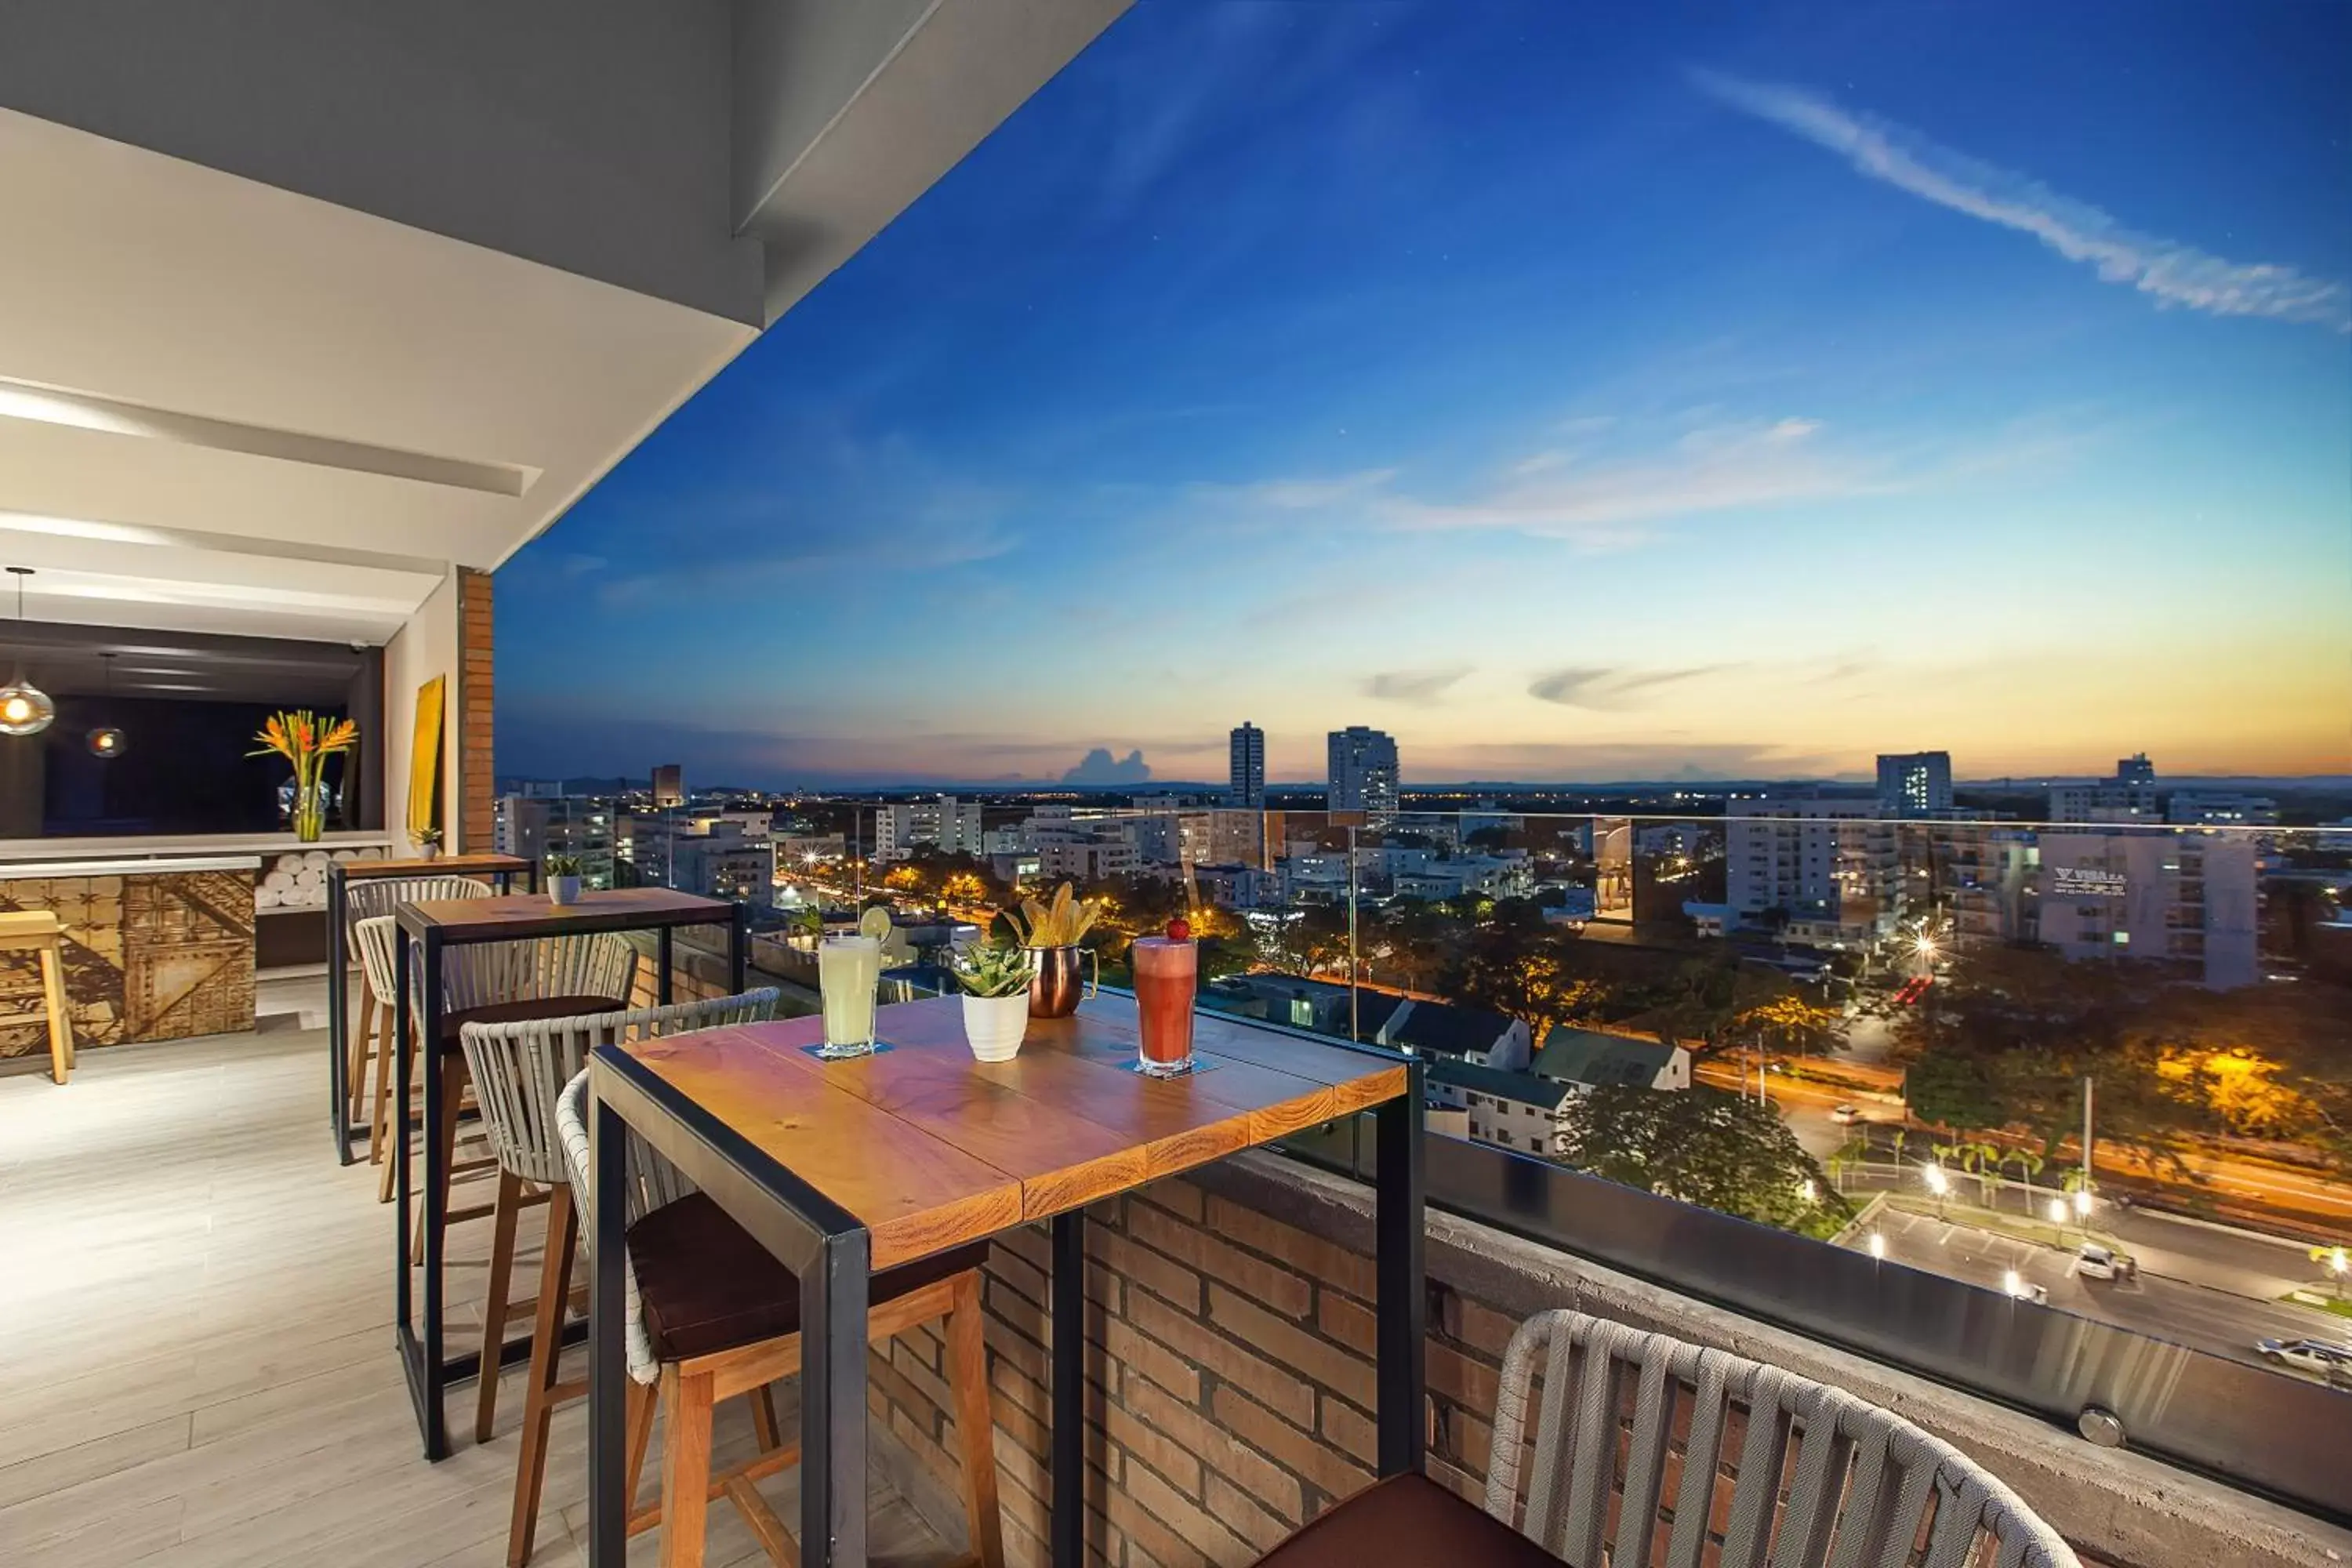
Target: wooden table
column 844, row 1168
column 436, row 926
column 340, row 874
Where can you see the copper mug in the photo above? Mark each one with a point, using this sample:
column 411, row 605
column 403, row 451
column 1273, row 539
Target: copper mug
column 1061, row 981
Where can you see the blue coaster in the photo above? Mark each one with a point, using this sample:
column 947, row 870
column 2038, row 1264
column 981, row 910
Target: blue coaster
column 818, row 1052
column 1200, row 1065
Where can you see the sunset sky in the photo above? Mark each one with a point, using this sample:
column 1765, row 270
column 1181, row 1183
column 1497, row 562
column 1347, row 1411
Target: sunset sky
column 1576, row 392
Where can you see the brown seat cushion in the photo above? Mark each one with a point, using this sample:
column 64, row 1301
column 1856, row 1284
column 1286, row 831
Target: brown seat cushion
column 527, row 1008
column 1407, row 1522
column 708, row 1286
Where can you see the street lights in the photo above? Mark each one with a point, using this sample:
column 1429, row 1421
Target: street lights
column 1878, row 1246
column 1938, row 1183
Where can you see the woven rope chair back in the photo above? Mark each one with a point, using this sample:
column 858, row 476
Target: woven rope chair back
column 651, row 1180
column 520, row 1069
column 366, row 901
column 1618, row 1410
column 478, row 974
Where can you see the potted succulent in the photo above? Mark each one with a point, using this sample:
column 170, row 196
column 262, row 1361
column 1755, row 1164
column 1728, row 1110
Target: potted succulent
column 428, row 843
column 561, row 874
column 1051, row 933
column 995, row 981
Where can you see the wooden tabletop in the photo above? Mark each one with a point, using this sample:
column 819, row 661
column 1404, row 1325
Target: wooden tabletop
column 512, row 916
column 929, row 1148
column 439, row 866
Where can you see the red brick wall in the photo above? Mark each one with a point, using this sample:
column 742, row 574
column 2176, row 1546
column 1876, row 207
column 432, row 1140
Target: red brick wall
column 476, row 699
column 1230, row 1382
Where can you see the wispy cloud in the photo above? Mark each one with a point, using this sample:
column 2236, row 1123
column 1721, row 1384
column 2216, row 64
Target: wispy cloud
column 1605, row 688
column 1603, row 504
column 2169, row 271
column 1417, row 687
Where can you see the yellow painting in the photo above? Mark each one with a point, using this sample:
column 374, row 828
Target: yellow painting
column 424, row 760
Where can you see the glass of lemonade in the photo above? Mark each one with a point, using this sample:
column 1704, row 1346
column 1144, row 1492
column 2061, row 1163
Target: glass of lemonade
column 848, row 974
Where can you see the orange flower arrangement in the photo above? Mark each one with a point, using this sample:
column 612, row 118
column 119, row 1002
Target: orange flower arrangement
column 307, row 741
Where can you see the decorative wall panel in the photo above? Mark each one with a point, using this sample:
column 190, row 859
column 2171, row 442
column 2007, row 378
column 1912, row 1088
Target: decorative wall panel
column 162, row 956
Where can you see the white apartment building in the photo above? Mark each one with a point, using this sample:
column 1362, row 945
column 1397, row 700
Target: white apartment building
column 1831, row 863
column 1087, row 859
column 2220, row 809
column 2186, row 898
column 947, row 824
column 2129, row 796
column 1508, row 1109
column 715, row 859
column 536, row 826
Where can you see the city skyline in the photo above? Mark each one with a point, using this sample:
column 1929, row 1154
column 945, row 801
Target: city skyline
column 1571, row 398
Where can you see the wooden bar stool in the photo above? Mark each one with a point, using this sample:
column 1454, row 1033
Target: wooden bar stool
column 40, row 931
column 712, row 1315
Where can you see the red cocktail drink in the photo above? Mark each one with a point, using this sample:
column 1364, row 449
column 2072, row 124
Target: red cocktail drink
column 1167, row 973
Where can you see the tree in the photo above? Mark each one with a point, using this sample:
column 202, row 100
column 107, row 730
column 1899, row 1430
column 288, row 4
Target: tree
column 1706, row 1147
column 1524, row 971
column 1798, row 1026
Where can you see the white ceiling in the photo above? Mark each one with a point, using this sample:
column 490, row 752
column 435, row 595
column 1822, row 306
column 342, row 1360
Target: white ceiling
column 226, row 406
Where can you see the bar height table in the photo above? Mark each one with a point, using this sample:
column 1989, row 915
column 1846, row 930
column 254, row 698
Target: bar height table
column 841, row 1169
column 340, row 874
column 435, row 927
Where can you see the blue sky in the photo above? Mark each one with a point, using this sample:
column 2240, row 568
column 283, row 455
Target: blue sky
column 1576, row 392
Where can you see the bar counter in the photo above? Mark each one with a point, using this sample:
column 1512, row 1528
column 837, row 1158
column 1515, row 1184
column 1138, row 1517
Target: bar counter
column 157, row 948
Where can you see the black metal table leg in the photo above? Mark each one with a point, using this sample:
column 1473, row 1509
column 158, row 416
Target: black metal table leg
column 737, row 940
column 1402, row 1275
column 338, row 1088
column 1067, row 1547
column 661, row 967
column 436, row 1200
column 833, row 1403
column 608, row 1372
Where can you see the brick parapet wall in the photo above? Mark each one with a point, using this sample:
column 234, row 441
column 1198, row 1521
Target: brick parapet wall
column 1230, row 1380
column 1230, row 1377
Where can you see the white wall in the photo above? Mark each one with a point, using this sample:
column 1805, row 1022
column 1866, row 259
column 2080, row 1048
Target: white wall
column 426, row 646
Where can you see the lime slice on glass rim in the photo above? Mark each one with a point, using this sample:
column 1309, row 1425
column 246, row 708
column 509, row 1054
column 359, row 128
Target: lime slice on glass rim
column 875, row 922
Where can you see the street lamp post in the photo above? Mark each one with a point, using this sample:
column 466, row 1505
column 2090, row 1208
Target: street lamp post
column 1938, row 1183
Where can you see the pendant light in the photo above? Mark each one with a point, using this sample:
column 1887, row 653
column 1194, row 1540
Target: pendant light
column 25, row 708
column 107, row 741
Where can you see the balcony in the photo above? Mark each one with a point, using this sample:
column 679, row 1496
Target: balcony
column 215, row 1380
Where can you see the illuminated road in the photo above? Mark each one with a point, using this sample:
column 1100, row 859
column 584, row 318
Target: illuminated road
column 2192, row 1315
column 2250, row 1182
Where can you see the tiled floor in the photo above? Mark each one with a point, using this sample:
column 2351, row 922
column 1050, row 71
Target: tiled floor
column 197, row 1361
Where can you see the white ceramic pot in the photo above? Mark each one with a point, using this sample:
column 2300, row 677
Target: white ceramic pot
column 993, row 1024
column 563, row 889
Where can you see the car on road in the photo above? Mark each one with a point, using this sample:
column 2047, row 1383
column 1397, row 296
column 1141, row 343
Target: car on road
column 2318, row 1357
column 2093, row 1261
column 1845, row 1115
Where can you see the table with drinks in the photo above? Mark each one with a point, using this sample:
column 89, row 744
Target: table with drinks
column 869, row 1137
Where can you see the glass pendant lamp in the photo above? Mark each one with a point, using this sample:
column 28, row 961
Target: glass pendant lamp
column 107, row 740
column 25, row 708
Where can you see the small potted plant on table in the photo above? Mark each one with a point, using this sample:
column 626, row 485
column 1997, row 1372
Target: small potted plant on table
column 561, row 875
column 995, row 981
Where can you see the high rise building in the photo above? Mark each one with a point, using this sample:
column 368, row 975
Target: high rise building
column 1828, row 866
column 1362, row 774
column 669, row 785
column 947, row 824
column 2129, row 796
column 710, row 856
column 535, row 827
column 1248, row 767
column 1915, row 784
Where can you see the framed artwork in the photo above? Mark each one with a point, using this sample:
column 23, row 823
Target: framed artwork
column 424, row 760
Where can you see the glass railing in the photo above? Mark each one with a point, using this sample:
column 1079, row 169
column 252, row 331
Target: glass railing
column 1892, row 1039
